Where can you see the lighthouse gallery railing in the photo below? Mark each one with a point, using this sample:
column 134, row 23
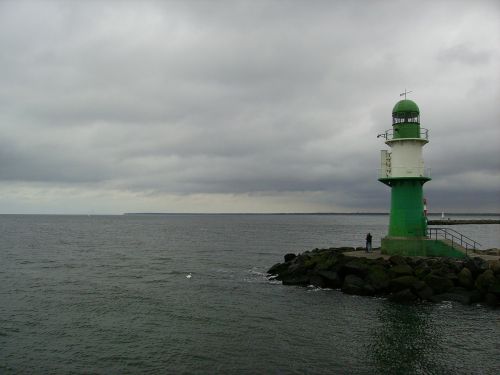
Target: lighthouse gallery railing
column 389, row 172
column 455, row 238
column 389, row 134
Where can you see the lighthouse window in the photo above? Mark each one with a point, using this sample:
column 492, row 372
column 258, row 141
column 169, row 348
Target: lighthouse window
column 414, row 119
column 408, row 119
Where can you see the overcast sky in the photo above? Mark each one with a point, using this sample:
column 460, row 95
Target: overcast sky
column 242, row 106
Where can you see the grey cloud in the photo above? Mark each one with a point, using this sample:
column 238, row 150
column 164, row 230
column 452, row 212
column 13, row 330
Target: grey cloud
column 240, row 97
column 463, row 53
column 46, row 164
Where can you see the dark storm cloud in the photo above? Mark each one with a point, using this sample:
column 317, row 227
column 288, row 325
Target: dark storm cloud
column 245, row 97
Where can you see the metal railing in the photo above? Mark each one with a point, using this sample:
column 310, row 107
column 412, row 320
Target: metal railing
column 455, row 238
column 389, row 134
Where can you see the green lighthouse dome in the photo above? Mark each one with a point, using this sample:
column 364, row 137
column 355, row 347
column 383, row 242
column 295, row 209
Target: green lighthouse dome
column 405, row 107
column 406, row 111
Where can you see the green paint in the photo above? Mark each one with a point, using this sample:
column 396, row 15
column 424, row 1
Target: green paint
column 406, row 119
column 404, row 107
column 407, row 208
column 403, row 246
column 406, row 130
column 420, row 247
column 440, row 248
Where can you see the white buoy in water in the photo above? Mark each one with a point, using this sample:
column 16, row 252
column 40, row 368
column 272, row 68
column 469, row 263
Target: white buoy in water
column 188, row 276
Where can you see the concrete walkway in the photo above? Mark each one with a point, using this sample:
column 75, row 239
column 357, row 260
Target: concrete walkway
column 377, row 254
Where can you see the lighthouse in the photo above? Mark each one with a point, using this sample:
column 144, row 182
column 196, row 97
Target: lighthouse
column 403, row 170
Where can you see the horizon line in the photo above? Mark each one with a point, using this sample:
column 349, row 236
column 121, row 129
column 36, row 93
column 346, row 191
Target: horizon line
column 248, row 213
column 298, row 213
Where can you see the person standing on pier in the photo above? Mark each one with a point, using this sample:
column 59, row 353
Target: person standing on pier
column 368, row 242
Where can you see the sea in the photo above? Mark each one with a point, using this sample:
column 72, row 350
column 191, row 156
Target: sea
column 189, row 294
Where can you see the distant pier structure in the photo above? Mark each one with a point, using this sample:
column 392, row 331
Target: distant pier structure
column 404, row 171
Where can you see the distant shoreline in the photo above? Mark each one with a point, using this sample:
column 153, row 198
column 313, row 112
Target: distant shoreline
column 460, row 222
column 449, row 215
column 303, row 213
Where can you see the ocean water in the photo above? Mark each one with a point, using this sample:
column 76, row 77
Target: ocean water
column 109, row 295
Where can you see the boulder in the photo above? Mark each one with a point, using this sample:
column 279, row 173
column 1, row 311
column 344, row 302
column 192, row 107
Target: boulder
column 485, row 280
column 326, row 262
column 289, row 257
column 412, row 262
column 298, row 265
column 331, row 278
column 476, row 266
column 403, row 282
column 434, row 263
column 295, row 280
column 452, row 265
column 317, row 281
column 403, row 296
column 353, row 285
column 295, row 268
column 368, row 290
column 418, row 285
column 491, row 300
column 440, row 268
column 464, row 298
column 378, row 278
column 381, row 262
column 476, row 296
column 309, row 260
column 341, row 257
column 422, row 270
column 464, row 278
column 495, row 267
column 420, row 262
column 495, row 287
column 397, row 259
column 425, row 293
column 358, row 266
column 278, row 268
column 453, row 277
column 439, row 284
column 401, row 270
column 345, row 249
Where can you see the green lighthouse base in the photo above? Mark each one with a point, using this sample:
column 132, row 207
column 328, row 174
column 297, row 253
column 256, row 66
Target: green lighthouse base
column 421, row 246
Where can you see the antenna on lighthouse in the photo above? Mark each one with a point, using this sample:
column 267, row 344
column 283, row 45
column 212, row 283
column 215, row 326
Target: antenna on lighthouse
column 404, row 93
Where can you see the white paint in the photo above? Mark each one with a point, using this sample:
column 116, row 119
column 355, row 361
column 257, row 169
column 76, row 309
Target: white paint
column 406, row 158
column 385, row 163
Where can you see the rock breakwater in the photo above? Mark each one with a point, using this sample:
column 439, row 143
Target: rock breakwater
column 401, row 279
